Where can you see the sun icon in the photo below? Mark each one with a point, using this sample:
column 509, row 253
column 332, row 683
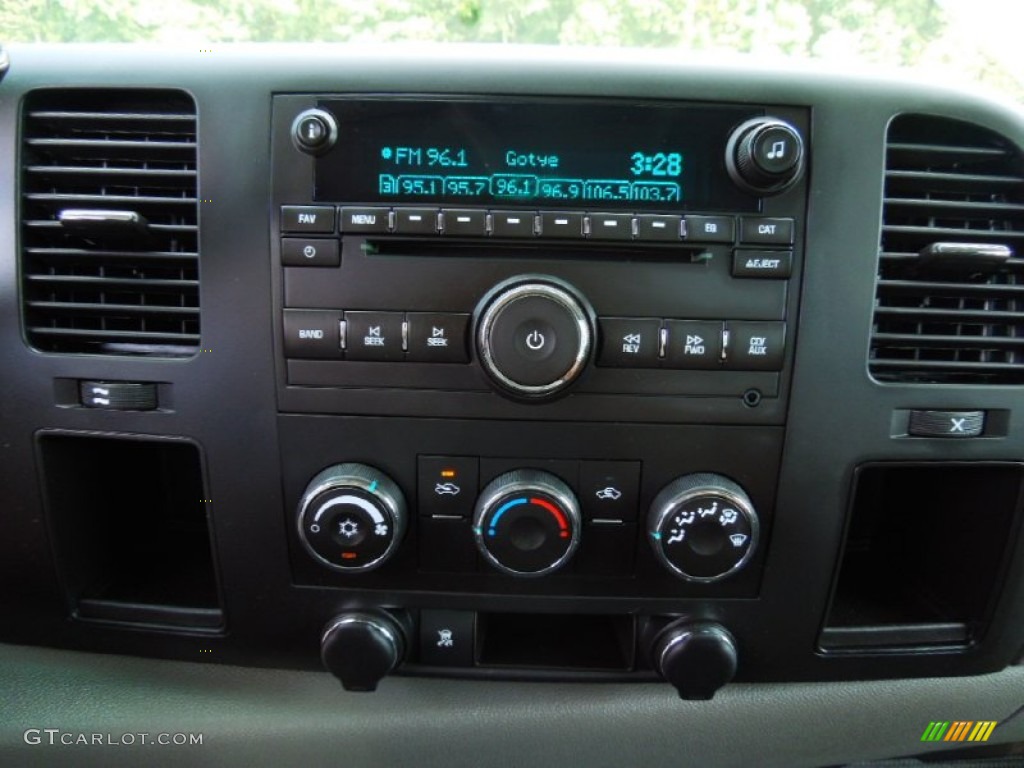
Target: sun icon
column 348, row 528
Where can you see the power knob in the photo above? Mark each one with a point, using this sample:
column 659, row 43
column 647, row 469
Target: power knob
column 352, row 517
column 534, row 336
column 702, row 527
column 765, row 156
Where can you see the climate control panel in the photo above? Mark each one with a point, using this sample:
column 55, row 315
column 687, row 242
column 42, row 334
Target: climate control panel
column 641, row 513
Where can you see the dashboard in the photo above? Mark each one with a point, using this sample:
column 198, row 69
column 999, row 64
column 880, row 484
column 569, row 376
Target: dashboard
column 516, row 374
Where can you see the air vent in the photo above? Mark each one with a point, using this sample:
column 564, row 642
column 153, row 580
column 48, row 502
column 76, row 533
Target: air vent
column 109, row 222
column 950, row 298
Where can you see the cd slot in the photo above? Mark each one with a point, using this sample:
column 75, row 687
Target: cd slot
column 541, row 249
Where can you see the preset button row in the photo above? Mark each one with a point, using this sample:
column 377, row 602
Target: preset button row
column 576, row 225
column 428, row 337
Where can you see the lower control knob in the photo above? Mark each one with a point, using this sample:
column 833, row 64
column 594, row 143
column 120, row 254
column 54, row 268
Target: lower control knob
column 703, row 527
column 698, row 658
column 361, row 648
column 527, row 523
column 352, row 517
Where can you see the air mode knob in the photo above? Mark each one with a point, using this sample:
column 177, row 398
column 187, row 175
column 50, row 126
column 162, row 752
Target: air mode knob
column 527, row 523
column 765, row 156
column 702, row 527
column 352, row 517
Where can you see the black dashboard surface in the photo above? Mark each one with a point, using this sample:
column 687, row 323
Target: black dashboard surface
column 244, row 424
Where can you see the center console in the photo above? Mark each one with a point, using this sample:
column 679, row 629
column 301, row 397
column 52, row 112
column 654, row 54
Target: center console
column 533, row 348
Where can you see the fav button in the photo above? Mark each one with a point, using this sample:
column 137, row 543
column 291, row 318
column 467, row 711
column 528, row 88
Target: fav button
column 307, row 218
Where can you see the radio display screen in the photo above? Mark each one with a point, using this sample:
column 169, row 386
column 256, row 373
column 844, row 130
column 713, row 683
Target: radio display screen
column 537, row 153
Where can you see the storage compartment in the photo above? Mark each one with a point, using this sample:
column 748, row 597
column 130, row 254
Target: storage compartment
column 555, row 641
column 129, row 527
column 924, row 555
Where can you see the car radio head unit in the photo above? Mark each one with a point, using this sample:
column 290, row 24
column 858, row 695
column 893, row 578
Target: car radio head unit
column 558, row 154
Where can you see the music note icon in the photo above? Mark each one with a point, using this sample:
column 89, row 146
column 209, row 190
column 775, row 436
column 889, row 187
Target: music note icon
column 778, row 150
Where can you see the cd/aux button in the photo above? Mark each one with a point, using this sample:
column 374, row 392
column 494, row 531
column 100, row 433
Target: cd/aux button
column 756, row 346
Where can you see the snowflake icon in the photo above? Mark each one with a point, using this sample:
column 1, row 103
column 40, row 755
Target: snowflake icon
column 348, row 528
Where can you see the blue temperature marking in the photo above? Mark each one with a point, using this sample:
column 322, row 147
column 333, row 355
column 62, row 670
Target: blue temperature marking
column 373, row 487
column 656, row 534
column 501, row 511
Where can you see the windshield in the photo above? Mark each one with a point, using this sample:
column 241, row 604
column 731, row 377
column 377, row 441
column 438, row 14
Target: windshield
column 942, row 39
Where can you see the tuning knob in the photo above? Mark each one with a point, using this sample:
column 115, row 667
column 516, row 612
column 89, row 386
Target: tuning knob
column 352, row 517
column 534, row 336
column 527, row 523
column 765, row 155
column 361, row 648
column 698, row 658
column 703, row 527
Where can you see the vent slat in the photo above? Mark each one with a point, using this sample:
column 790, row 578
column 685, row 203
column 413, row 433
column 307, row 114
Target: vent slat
column 75, row 254
column 914, row 341
column 928, row 288
column 65, row 198
column 121, row 336
column 962, row 208
column 71, row 307
column 98, row 290
column 931, row 181
column 79, row 281
column 949, row 322
column 56, row 225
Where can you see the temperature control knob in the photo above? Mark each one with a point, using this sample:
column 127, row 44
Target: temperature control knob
column 765, row 156
column 527, row 523
column 703, row 527
column 351, row 517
